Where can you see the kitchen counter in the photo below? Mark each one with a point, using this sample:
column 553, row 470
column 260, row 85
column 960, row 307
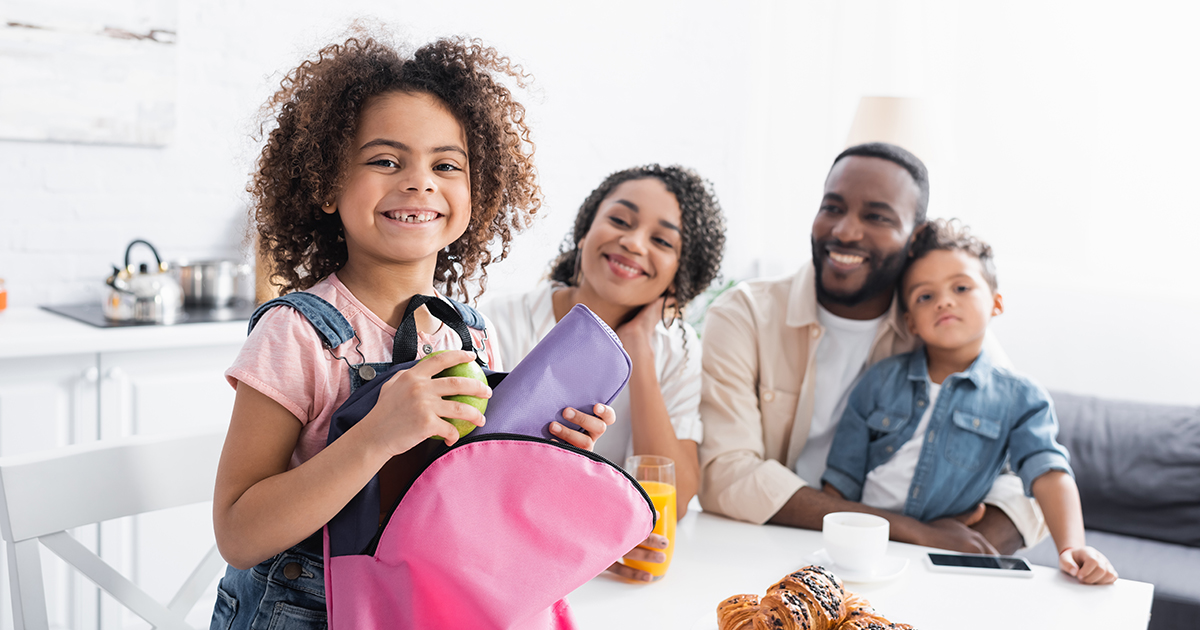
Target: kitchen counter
column 27, row 332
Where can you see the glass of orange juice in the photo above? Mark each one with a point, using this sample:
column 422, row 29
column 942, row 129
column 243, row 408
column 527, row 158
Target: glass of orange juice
column 656, row 474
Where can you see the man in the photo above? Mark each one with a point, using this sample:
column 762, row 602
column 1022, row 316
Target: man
column 780, row 356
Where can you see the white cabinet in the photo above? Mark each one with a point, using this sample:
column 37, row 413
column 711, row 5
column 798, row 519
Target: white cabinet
column 165, row 390
column 79, row 384
column 48, row 401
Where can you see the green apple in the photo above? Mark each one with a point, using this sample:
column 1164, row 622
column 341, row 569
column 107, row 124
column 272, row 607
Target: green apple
column 470, row 369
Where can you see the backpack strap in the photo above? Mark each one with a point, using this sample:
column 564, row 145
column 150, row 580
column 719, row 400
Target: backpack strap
column 334, row 330
column 329, row 323
column 404, row 347
column 471, row 317
column 479, row 332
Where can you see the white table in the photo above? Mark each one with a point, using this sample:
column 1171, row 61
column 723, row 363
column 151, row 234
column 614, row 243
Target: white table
column 716, row 557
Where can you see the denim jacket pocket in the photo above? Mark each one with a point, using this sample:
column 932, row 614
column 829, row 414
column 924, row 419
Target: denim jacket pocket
column 885, row 430
column 971, row 439
column 885, row 422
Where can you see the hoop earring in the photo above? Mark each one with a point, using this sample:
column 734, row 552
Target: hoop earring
column 577, row 277
column 676, row 313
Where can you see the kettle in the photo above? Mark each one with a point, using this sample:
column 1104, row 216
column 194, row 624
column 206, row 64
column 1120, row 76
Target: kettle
column 147, row 295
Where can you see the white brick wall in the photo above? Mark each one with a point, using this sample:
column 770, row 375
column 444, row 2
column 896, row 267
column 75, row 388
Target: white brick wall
column 73, row 207
column 1067, row 136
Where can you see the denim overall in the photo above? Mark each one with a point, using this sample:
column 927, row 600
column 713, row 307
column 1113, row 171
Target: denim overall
column 288, row 590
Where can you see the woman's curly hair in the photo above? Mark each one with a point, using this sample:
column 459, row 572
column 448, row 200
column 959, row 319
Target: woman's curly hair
column 316, row 113
column 703, row 228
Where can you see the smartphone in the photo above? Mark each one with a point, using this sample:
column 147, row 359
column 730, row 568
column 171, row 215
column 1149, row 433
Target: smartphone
column 980, row 564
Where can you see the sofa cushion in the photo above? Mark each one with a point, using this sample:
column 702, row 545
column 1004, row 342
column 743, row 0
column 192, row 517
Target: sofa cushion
column 1137, row 465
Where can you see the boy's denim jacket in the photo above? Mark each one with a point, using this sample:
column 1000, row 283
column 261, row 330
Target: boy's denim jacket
column 982, row 418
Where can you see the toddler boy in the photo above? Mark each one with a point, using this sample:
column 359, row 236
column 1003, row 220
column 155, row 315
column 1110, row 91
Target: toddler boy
column 927, row 432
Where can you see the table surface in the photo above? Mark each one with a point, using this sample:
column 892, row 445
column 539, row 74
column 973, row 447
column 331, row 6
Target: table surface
column 717, row 557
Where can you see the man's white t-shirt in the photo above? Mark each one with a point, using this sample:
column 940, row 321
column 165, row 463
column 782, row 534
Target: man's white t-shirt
column 842, row 355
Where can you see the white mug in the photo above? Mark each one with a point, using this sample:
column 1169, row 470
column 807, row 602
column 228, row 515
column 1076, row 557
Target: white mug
column 854, row 540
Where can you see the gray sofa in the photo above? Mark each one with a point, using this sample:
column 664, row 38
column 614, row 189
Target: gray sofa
column 1138, row 470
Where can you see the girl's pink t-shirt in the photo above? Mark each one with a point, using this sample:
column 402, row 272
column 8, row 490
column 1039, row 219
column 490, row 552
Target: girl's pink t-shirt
column 283, row 358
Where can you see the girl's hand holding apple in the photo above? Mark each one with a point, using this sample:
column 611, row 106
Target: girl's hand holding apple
column 412, row 405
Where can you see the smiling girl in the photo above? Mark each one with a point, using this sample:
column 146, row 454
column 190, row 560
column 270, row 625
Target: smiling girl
column 385, row 179
column 645, row 242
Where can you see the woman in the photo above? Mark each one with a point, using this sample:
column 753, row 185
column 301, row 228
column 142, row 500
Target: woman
column 645, row 242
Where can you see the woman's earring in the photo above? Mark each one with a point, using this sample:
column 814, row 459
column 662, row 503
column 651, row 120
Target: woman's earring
column 578, row 275
column 674, row 311
column 328, row 207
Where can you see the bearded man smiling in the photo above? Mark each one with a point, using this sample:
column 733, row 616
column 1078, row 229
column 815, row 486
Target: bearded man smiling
column 780, row 355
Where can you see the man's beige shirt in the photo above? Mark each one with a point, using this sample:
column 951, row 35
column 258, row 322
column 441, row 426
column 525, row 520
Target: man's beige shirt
column 760, row 342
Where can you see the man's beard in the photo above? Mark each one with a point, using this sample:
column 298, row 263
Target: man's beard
column 882, row 277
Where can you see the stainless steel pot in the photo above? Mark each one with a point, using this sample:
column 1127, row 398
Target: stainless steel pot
column 212, row 282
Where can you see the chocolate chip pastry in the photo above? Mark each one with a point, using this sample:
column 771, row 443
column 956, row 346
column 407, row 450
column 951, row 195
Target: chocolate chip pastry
column 809, row 599
column 737, row 612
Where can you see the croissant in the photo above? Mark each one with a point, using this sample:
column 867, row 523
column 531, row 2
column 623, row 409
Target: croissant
column 857, row 606
column 737, row 612
column 809, row 599
column 872, row 622
column 813, row 595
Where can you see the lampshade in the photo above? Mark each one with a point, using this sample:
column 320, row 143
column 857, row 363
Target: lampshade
column 900, row 121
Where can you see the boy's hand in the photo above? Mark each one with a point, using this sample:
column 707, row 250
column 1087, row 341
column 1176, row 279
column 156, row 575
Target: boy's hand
column 1087, row 565
column 410, row 407
column 593, row 426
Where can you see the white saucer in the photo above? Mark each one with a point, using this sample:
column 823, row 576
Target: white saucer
column 890, row 567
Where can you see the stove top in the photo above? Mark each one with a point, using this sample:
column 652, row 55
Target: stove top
column 94, row 314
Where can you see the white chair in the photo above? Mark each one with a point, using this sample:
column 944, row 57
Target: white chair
column 43, row 495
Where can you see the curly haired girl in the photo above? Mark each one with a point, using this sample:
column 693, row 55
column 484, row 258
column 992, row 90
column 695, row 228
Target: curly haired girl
column 645, row 242
column 387, row 179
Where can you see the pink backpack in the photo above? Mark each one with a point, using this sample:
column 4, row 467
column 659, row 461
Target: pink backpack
column 501, row 527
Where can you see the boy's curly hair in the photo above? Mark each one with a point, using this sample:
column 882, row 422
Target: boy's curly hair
column 316, row 112
column 703, row 228
column 950, row 235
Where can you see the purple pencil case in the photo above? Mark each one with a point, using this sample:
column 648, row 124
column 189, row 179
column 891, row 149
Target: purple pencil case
column 579, row 363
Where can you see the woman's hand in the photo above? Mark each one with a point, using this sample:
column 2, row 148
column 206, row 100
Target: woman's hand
column 647, row 551
column 411, row 407
column 593, row 426
column 637, row 332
